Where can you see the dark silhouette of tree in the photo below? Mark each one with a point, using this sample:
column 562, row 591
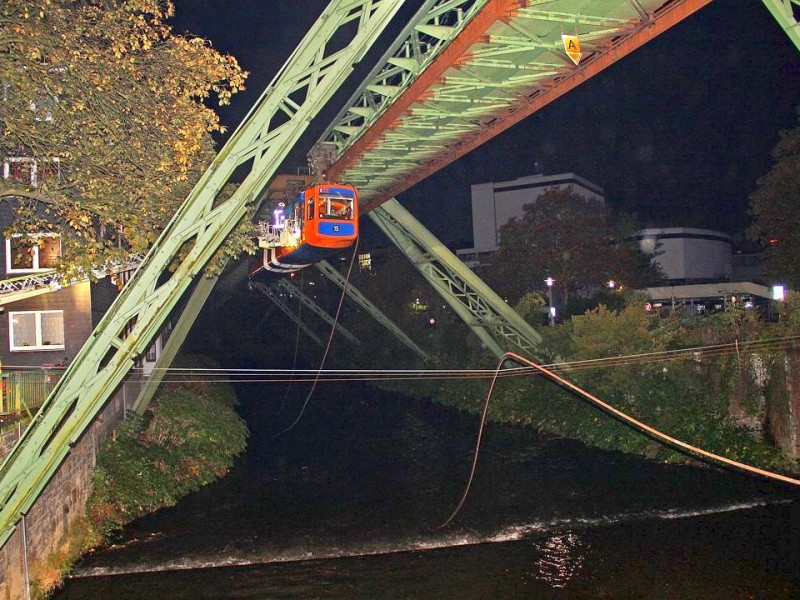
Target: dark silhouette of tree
column 775, row 206
column 565, row 236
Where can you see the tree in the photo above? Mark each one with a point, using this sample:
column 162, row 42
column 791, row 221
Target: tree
column 103, row 119
column 775, row 205
column 565, row 236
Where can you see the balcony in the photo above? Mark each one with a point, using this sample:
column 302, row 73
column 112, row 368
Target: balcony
column 24, row 391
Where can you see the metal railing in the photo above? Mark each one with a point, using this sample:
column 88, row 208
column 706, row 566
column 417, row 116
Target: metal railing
column 25, row 391
column 286, row 234
column 27, row 285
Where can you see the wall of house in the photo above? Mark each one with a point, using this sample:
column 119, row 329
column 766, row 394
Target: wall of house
column 63, row 500
column 76, row 303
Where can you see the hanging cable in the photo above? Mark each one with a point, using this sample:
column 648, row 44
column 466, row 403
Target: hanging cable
column 296, row 349
column 627, row 419
column 328, row 346
column 174, row 374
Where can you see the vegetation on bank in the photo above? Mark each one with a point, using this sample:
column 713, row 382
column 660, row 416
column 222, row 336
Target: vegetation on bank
column 726, row 398
column 189, row 437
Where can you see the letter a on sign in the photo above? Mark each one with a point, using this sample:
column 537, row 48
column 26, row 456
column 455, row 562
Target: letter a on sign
column 573, row 47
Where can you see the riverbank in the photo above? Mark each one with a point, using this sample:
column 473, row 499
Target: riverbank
column 188, row 438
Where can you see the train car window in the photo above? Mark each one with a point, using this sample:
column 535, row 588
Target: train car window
column 336, row 207
column 310, row 209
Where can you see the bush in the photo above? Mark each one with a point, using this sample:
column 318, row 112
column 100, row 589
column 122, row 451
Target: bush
column 188, row 439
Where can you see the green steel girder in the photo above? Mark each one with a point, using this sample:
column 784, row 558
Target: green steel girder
column 518, row 55
column 497, row 325
column 172, row 345
column 272, row 127
column 784, row 12
column 292, row 289
column 430, row 31
column 355, row 294
column 273, row 295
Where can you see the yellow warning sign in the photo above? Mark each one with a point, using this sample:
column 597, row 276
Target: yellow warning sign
column 572, row 45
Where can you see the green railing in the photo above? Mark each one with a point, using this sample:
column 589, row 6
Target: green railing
column 25, row 391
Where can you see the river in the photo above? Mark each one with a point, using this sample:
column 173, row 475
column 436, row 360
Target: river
column 349, row 504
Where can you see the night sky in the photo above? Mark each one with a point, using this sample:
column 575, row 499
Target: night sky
column 677, row 133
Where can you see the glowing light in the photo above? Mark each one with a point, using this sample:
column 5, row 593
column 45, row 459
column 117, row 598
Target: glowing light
column 779, row 292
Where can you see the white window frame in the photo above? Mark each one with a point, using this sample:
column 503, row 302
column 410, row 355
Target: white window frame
column 39, row 342
column 34, row 180
column 34, row 238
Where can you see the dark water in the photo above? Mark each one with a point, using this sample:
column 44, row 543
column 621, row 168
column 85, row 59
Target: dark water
column 348, row 505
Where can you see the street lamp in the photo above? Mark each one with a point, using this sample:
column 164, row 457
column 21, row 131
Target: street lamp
column 552, row 311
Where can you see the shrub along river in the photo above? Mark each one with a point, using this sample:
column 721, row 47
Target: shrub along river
column 348, row 504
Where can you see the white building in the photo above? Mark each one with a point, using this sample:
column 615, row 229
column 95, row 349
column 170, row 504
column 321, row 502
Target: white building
column 688, row 255
column 495, row 203
column 698, row 270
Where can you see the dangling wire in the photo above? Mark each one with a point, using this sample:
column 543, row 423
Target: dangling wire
column 296, row 348
column 328, row 346
column 636, row 424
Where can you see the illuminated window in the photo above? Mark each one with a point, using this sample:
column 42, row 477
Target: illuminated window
column 32, row 253
column 36, row 330
column 336, row 207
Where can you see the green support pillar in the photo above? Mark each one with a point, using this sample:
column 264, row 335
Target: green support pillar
column 314, row 72
column 497, row 325
column 176, row 338
column 292, row 289
column 331, row 273
column 784, row 13
column 273, row 295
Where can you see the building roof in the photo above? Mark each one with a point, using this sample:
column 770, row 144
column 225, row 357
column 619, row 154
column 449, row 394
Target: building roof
column 707, row 290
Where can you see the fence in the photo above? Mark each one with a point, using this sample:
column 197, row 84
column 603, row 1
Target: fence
column 26, row 391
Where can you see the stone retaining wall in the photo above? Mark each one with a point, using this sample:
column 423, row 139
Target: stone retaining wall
column 41, row 532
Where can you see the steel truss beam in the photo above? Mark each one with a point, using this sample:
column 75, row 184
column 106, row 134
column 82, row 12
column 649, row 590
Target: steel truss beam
column 28, row 286
column 292, row 289
column 315, row 70
column 498, row 326
column 273, row 295
column 785, row 13
column 495, row 63
column 336, row 277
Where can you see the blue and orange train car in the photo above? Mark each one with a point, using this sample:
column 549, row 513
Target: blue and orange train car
column 321, row 221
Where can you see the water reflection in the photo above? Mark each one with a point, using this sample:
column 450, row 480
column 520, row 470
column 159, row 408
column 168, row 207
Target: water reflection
column 560, row 558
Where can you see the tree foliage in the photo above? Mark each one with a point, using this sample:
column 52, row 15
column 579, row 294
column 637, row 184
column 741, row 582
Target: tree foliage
column 568, row 237
column 775, row 205
column 715, row 401
column 110, row 104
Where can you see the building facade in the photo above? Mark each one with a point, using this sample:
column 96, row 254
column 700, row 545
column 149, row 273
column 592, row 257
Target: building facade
column 687, row 255
column 495, row 203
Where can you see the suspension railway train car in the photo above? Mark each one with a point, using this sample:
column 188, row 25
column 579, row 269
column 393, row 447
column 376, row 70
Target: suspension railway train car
column 321, row 221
